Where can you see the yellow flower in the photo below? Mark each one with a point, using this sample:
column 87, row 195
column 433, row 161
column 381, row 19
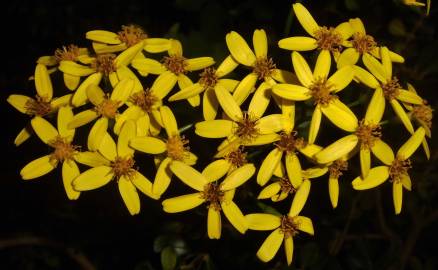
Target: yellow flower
column 248, row 128
column 63, row 151
column 130, row 35
column 361, row 44
column 42, row 105
column 226, row 165
column 120, row 166
column 322, row 90
column 396, row 168
column 389, row 84
column 172, row 68
column 105, row 109
column 219, row 196
column 284, row 229
column 322, row 37
column 175, row 147
column 263, row 67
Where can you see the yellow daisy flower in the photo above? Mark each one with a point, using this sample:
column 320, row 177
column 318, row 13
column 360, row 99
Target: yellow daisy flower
column 322, row 37
column 396, row 169
column 105, row 109
column 172, row 68
column 120, row 166
column 392, row 90
column 322, row 90
column 284, row 229
column 219, row 196
column 42, row 105
column 226, row 165
column 248, row 128
column 63, row 151
column 175, row 147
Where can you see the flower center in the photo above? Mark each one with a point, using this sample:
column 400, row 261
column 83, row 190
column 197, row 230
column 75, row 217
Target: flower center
column 123, row 167
column 368, row 134
column 176, row 147
column 328, row 39
column 146, row 100
column 264, row 67
column 391, row 89
column 68, row 53
column 423, row 113
column 176, row 64
column 398, row 168
column 320, row 91
column 104, row 63
column 108, row 108
column 64, row 150
column 363, row 43
column 237, row 158
column 246, row 128
column 289, row 142
column 208, row 78
column 213, row 195
column 38, row 107
column 131, row 35
column 336, row 168
column 289, row 227
column 286, row 186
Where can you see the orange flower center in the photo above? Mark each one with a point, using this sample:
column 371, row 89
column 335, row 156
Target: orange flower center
column 321, row 91
column 39, row 107
column 68, row 53
column 246, row 128
column 328, row 39
column 176, row 64
column 64, row 150
column 176, row 147
column 391, row 89
column 423, row 113
column 237, row 158
column 286, row 186
column 104, row 63
column 108, row 108
column 363, row 43
column 368, row 134
column 146, row 100
column 131, row 35
column 213, row 195
column 398, row 168
column 123, row 167
column 289, row 226
column 289, row 142
column 264, row 67
column 336, row 168
column 208, row 78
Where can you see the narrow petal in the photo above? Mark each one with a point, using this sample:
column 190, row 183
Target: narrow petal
column 315, row 172
column 214, row 128
column 122, row 91
column 162, row 177
column 92, row 159
column 82, row 118
column 75, row 69
column 108, row 147
column 298, row 43
column 375, row 67
column 333, row 191
column 386, row 62
column 38, row 167
column 95, row 94
column 304, row 224
column 188, row 175
column 70, row 171
column 348, row 57
column 397, row 195
column 412, row 144
column 209, row 105
column 345, row 30
column 340, row 115
column 239, row 49
column 260, row 101
column 323, row 64
column 376, row 107
column 402, row 115
column 20, row 102
column 337, row 150
column 244, row 88
column 80, row 96
column 375, row 177
column 284, row 76
column 129, row 195
column 93, row 178
column 260, row 42
column 263, row 139
column 269, row 191
column 310, row 150
column 131, row 113
column 22, row 136
column 262, row 222
column 291, row 91
column 148, row 65
column 125, row 57
column 315, row 123
column 270, row 246
column 124, row 73
column 199, row 63
column 156, row 45
column 305, row 18
column 293, row 169
column 169, row 121
column 97, row 133
column 216, row 170
column 144, row 185
column 214, row 224
column 127, row 133
column 234, row 216
column 226, row 67
column 271, row 124
column 238, row 177
column 300, row 198
column 43, row 84
column 65, row 115
column 383, row 152
column 268, row 166
column 45, row 131
column 409, row 97
column 365, row 77
column 289, row 249
column 163, row 84
column 302, row 69
column 341, row 78
column 365, row 162
column 182, row 203
column 103, row 36
column 187, row 92
column 143, row 124
column 228, row 104
column 149, row 145
column 357, row 25
column 406, row 181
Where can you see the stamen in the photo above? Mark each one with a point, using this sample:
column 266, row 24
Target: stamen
column 176, row 64
column 64, row 150
column 424, row 113
column 123, row 167
column 391, row 89
column 214, row 195
column 398, row 168
column 264, row 67
column 108, row 108
column 104, row 64
column 321, row 91
column 289, row 142
column 286, row 186
column 38, row 107
column 368, row 134
column 176, row 147
column 289, row 227
column 146, row 100
column 246, row 128
column 237, row 158
column 67, row 53
column 208, row 78
column 131, row 35
column 363, row 43
column 336, row 168
column 328, row 39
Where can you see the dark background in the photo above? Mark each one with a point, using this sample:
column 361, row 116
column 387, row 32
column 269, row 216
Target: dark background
column 41, row 229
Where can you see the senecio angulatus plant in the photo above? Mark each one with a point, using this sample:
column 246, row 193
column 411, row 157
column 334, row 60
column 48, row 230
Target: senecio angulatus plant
column 125, row 118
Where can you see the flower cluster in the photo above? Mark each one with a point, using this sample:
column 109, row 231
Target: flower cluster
column 124, row 87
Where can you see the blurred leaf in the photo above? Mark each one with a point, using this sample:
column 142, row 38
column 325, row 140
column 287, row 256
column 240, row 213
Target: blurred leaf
column 268, row 209
column 397, row 28
column 144, row 266
column 168, row 258
column 351, row 4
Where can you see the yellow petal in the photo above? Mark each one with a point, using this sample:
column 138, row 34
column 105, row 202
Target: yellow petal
column 270, row 246
column 268, row 166
column 300, row 198
column 340, row 115
column 45, row 131
column 409, row 97
column 305, row 18
column 406, row 181
column 43, row 84
column 210, row 104
column 234, row 216
column 129, row 195
column 426, row 149
column 82, row 118
column 310, row 150
column 156, row 45
column 238, row 177
column 214, row 224
column 65, row 115
column 284, row 76
column 214, row 128
column 375, row 67
column 288, row 110
column 334, row 191
column 263, row 139
column 365, row 161
column 58, row 102
column 162, row 177
column 293, row 169
column 38, row 167
column 341, row 78
column 169, row 121
column 348, row 57
column 315, row 172
column 365, row 77
column 187, row 92
column 271, row 124
column 376, row 107
column 80, row 95
column 244, row 88
column 75, row 69
column 128, row 132
column 397, row 195
column 71, row 81
column 402, row 115
column 199, row 63
column 69, row 172
column 262, row 222
column 227, row 66
column 163, row 84
column 375, row 177
column 92, row 159
column 126, row 73
column 108, row 147
column 396, row 58
column 103, row 36
column 315, row 123
column 383, row 152
column 93, row 178
column 175, row 47
column 95, row 94
column 304, row 224
column 357, row 25
column 289, row 249
column 412, row 144
column 131, row 113
column 239, row 49
column 228, row 104
column 188, row 175
column 386, row 62
column 19, row 102
column 269, row 191
column 345, row 30
column 122, row 91
column 143, row 124
column 125, row 57
column 323, row 64
column 260, row 101
column 291, row 91
column 302, row 69
column 148, row 65
column 101, row 48
column 298, row 43
column 144, row 185
column 260, row 42
column 149, row 145
column 97, row 133
column 337, row 150
column 182, row 203
column 22, row 136
column 216, row 170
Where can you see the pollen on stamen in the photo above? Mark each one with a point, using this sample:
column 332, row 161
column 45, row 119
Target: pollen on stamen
column 286, row 186
column 213, row 195
column 64, row 150
column 363, row 43
column 246, row 128
column 67, row 53
column 398, row 168
column 177, row 148
column 391, row 89
column 289, row 227
column 237, row 158
column 146, row 100
column 104, row 63
column 38, row 106
column 337, row 167
column 368, row 134
column 264, row 67
column 208, row 78
column 328, row 39
column 321, row 91
column 131, row 35
column 108, row 108
column 175, row 63
column 423, row 113
column 123, row 166
column 289, row 142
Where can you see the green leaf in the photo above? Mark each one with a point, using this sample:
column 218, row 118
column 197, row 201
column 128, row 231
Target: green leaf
column 168, row 258
column 268, row 209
